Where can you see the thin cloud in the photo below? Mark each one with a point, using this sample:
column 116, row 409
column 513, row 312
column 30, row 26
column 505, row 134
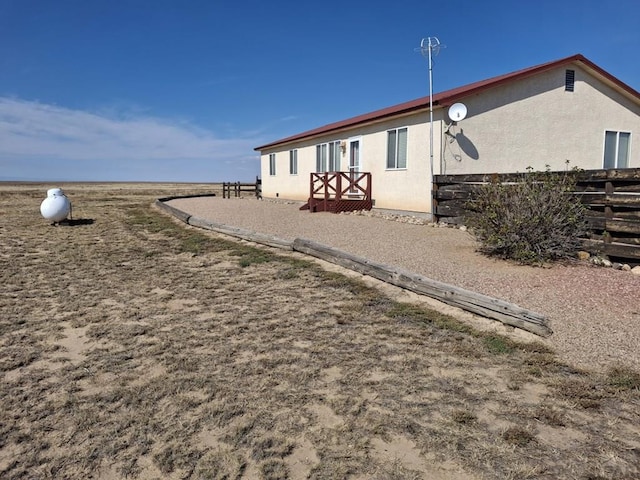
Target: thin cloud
column 32, row 130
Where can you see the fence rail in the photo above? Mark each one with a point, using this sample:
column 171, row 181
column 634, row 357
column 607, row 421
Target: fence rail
column 612, row 198
column 238, row 188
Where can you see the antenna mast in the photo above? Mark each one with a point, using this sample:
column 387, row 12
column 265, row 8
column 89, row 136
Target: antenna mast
column 430, row 47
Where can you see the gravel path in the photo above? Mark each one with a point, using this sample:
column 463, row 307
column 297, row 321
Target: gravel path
column 593, row 311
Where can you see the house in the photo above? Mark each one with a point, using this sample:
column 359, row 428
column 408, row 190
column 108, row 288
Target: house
column 568, row 110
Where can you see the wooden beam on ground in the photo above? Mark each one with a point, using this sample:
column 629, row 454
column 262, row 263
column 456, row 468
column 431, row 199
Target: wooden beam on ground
column 479, row 304
column 179, row 214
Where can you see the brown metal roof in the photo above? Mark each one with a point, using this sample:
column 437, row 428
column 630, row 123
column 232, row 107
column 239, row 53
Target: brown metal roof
column 449, row 97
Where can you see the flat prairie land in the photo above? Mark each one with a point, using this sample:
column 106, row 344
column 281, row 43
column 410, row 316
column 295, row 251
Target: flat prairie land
column 133, row 346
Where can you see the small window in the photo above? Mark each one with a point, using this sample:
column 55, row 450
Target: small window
column 397, row 149
column 569, row 80
column 616, row 149
column 272, row 164
column 293, row 162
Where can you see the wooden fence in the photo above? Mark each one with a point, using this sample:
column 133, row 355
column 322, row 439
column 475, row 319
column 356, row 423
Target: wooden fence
column 612, row 198
column 238, row 188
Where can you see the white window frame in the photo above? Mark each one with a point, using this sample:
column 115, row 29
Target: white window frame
column 272, row 164
column 293, row 162
column 392, row 163
column 620, row 157
column 328, row 156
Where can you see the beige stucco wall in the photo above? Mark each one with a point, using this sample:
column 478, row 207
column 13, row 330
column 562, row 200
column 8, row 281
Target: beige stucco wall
column 529, row 123
column 535, row 122
column 403, row 189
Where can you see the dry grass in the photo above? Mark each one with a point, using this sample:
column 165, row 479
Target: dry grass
column 135, row 347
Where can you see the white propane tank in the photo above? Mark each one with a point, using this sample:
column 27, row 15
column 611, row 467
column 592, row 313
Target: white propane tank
column 56, row 207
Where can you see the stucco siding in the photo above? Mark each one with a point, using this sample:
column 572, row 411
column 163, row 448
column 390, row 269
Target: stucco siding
column 535, row 123
column 405, row 189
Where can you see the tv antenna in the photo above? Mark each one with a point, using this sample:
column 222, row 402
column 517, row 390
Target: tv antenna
column 429, row 48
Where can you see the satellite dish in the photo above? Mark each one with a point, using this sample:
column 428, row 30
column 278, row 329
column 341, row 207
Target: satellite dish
column 457, row 112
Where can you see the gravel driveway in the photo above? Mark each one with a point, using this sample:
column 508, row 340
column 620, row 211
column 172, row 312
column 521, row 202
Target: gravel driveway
column 593, row 311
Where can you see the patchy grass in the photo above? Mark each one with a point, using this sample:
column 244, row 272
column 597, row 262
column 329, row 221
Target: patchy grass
column 623, row 378
column 498, row 345
column 134, row 346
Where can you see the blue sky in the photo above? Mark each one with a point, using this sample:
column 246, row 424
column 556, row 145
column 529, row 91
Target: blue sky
column 160, row 90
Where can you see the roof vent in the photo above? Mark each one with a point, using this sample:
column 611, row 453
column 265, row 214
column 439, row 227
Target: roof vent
column 569, row 80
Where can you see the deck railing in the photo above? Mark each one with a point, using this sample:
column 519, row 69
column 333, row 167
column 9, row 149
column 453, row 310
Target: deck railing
column 340, row 191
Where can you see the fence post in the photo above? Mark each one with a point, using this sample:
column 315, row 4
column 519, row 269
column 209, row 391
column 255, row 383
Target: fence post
column 434, row 200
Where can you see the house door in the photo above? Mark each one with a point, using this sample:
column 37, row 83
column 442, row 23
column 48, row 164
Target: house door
column 354, row 163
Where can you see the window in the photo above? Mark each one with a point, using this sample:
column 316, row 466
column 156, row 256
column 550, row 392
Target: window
column 569, row 80
column 272, row 164
column 328, row 157
column 334, row 156
column 616, row 149
column 397, row 148
column 293, row 162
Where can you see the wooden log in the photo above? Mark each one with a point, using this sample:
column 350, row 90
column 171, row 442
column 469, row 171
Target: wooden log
column 592, row 198
column 596, row 222
column 179, row 214
column 248, row 235
column 625, row 226
column 624, row 174
column 450, row 209
column 626, row 240
column 627, row 187
column 444, row 194
column 479, row 304
column 626, row 213
column 624, row 199
column 622, row 250
column 593, row 245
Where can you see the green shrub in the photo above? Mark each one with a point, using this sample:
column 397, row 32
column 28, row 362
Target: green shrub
column 533, row 220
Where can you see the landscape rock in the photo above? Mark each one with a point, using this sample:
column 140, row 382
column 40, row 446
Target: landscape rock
column 582, row 255
column 636, row 270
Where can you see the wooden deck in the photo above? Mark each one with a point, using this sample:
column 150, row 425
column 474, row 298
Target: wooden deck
column 339, row 192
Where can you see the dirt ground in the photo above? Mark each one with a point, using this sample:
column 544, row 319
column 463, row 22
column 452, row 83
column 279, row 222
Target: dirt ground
column 132, row 346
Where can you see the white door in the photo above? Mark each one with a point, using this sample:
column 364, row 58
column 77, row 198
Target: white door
column 354, row 161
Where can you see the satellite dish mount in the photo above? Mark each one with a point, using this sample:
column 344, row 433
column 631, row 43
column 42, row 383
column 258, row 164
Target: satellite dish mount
column 457, row 112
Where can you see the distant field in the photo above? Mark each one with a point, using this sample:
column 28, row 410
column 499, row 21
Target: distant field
column 132, row 346
column 135, row 189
